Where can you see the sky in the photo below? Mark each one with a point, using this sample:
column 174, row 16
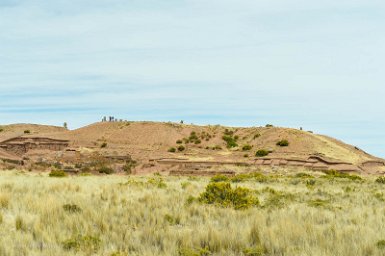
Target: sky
column 299, row 63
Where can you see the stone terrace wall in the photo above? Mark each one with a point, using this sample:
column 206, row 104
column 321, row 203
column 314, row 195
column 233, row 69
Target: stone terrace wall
column 22, row 145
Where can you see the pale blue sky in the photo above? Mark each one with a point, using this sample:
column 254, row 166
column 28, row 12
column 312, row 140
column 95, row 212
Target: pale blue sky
column 315, row 64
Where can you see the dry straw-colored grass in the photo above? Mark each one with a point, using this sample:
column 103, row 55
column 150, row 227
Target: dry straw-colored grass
column 120, row 215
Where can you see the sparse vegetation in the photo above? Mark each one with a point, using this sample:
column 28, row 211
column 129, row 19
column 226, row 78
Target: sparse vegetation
column 262, row 215
column 103, row 145
column 181, row 148
column 172, row 150
column 27, row 131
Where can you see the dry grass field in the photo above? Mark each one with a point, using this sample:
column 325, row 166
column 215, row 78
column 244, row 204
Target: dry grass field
column 155, row 215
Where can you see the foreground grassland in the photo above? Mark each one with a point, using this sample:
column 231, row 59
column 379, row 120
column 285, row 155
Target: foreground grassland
column 154, row 215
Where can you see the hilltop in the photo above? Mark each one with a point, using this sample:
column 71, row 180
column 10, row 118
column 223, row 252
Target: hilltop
column 180, row 148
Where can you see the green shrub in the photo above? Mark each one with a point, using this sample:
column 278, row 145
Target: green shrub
column 186, row 251
column 172, row 150
column 222, row 194
column 181, row 148
column 381, row 244
column 230, row 141
column 172, row 220
column 255, row 176
column 319, row 203
column 261, row 153
column 27, row 131
column 381, row 180
column 1, row 129
column 247, row 147
column 257, row 135
column 330, row 174
column 72, row 208
column 283, row 143
column 269, row 125
column 104, row 145
column 20, row 224
column 310, row 183
column 157, row 182
column 259, row 250
column 106, row 170
column 82, row 243
column 179, row 142
column 303, row 175
column 57, row 173
column 218, row 178
column 129, row 165
column 276, row 199
column 4, row 202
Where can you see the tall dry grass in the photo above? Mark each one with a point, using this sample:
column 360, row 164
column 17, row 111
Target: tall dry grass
column 120, row 215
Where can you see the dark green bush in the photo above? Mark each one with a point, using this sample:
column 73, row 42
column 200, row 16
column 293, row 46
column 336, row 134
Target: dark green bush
column 72, row 208
column 104, row 145
column 27, row 131
column 106, row 170
column 230, row 141
column 247, row 147
column 381, row 180
column 330, row 174
column 82, row 243
column 261, row 153
column 381, row 244
column 259, row 250
column 283, row 143
column 57, row 173
column 172, row 150
column 181, row 148
column 20, row 224
column 179, row 142
column 303, row 175
column 222, row 194
column 255, row 176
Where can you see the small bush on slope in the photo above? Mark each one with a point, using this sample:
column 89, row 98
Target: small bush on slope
column 261, row 153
